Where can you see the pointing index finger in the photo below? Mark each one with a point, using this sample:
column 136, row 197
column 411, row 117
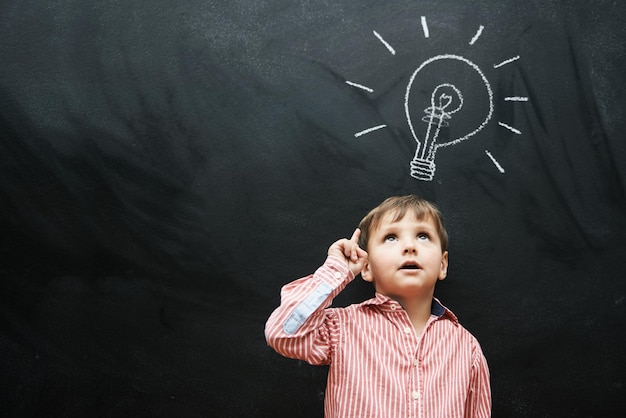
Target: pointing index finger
column 355, row 236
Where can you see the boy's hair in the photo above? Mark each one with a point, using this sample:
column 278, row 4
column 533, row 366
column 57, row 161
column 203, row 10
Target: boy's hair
column 398, row 206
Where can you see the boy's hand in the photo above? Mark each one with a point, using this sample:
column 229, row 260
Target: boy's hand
column 350, row 251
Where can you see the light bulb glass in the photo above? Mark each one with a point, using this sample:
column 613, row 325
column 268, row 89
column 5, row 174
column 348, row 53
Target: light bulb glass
column 446, row 99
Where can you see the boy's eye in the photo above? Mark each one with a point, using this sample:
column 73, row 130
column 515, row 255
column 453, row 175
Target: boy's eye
column 390, row 238
column 423, row 236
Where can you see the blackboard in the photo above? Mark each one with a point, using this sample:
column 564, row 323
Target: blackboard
column 166, row 166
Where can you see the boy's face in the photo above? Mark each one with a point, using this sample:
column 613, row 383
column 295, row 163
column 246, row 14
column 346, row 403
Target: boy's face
column 405, row 257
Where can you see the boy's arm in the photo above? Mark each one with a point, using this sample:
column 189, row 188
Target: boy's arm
column 301, row 327
column 479, row 396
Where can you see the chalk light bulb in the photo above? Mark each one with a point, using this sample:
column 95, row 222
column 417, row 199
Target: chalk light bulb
column 446, row 100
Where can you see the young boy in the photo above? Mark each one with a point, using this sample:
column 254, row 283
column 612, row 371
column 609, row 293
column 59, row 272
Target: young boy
column 401, row 353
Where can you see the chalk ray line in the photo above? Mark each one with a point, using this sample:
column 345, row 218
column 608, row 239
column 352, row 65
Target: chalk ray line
column 510, row 128
column 496, row 163
column 516, row 99
column 478, row 33
column 367, row 131
column 510, row 60
column 360, row 86
column 425, row 27
column 389, row 47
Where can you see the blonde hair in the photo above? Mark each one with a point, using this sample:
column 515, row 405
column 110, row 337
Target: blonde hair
column 398, row 206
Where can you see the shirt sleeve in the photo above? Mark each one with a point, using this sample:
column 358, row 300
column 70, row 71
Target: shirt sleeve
column 479, row 396
column 301, row 327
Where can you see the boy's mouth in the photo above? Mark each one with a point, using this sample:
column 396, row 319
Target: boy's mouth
column 410, row 265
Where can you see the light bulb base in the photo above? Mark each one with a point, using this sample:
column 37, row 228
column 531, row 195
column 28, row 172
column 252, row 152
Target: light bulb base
column 422, row 169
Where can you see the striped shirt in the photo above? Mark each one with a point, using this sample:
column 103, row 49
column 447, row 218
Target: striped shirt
column 379, row 366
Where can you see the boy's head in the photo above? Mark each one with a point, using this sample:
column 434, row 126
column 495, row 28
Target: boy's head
column 406, row 244
column 398, row 206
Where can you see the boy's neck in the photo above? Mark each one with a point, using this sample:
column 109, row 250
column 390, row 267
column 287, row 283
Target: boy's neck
column 419, row 311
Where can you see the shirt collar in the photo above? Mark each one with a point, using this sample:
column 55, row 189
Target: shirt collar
column 385, row 303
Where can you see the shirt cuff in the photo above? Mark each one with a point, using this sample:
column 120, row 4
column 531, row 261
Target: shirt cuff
column 335, row 271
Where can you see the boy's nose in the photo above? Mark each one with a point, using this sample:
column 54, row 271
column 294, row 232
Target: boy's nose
column 410, row 247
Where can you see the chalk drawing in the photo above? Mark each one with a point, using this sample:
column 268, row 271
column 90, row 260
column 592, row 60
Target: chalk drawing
column 444, row 102
column 505, row 62
column 389, row 47
column 367, row 131
column 367, row 89
column 478, row 33
column 425, row 27
column 497, row 164
column 438, row 114
column 510, row 128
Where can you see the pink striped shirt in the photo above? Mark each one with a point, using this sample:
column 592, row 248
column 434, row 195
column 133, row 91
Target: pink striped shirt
column 379, row 366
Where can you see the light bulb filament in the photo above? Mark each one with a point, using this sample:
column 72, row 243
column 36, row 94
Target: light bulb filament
column 436, row 116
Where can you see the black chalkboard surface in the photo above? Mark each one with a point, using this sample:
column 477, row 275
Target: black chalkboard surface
column 166, row 166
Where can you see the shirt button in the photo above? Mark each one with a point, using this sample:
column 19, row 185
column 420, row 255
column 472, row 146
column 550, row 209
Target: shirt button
column 407, row 330
column 416, row 362
column 394, row 307
column 415, row 395
column 337, row 275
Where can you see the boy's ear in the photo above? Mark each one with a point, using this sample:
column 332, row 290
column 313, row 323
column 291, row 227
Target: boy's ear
column 443, row 272
column 366, row 273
